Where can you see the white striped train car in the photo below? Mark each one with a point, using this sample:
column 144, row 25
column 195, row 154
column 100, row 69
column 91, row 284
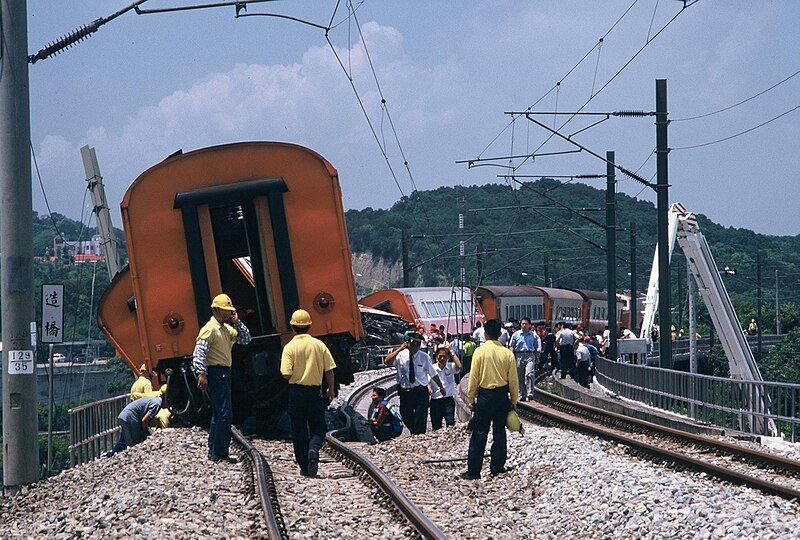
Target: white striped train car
column 451, row 307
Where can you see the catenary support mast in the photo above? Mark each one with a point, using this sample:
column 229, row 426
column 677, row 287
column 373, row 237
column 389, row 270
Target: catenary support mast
column 20, row 424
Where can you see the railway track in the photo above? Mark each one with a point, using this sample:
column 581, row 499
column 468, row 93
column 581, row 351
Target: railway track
column 351, row 497
column 777, row 475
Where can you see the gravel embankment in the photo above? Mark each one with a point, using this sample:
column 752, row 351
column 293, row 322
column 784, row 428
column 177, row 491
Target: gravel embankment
column 566, row 485
column 163, row 487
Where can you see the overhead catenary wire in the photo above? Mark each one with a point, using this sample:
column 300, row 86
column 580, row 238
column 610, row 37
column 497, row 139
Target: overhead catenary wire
column 735, row 135
column 614, row 76
column 738, row 103
column 566, row 75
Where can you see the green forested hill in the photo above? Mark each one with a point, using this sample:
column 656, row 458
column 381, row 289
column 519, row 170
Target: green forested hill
column 573, row 260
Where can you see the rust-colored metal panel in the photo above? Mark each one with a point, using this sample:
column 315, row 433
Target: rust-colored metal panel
column 391, row 300
column 118, row 322
column 160, row 271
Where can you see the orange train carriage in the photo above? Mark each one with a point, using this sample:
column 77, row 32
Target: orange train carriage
column 260, row 221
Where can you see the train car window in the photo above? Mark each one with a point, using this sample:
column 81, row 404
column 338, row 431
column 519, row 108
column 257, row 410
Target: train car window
column 425, row 309
column 440, row 308
column 448, row 306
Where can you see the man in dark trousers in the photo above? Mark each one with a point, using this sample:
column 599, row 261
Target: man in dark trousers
column 304, row 362
column 212, row 366
column 414, row 374
column 492, row 391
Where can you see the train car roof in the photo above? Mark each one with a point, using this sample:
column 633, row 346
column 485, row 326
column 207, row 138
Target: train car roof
column 412, row 290
column 566, row 294
column 593, row 295
column 511, row 290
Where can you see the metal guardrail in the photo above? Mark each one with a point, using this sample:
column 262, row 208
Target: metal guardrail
column 93, row 428
column 746, row 406
column 681, row 345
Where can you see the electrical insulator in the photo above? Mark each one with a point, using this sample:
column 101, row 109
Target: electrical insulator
column 461, row 248
column 460, row 221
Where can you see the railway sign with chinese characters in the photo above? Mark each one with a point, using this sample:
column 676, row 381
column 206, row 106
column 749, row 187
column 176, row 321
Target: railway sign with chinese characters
column 53, row 313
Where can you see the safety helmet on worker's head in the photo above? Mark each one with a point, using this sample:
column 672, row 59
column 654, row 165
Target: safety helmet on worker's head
column 300, row 318
column 142, row 368
column 223, row 301
column 163, row 389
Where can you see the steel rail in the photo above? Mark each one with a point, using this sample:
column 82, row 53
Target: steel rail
column 750, row 455
column 415, row 517
column 264, row 486
column 548, row 416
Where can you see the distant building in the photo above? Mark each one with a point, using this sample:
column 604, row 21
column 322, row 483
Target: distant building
column 81, row 251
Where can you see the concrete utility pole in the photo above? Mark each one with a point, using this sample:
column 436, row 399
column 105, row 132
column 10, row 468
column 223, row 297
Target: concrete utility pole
column 662, row 184
column 108, row 237
column 404, row 246
column 20, row 424
column 692, row 328
column 759, row 301
column 777, row 306
column 611, row 255
column 634, row 293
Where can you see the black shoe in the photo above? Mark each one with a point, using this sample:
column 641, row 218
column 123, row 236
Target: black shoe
column 225, row 459
column 304, row 473
column 313, row 462
column 109, row 453
column 466, row 476
column 503, row 470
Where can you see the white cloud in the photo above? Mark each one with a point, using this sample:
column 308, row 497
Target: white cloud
column 309, row 102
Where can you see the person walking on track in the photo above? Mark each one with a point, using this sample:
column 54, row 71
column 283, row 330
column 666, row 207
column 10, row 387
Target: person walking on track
column 493, row 390
column 414, row 374
column 212, row 367
column 527, row 346
column 304, row 362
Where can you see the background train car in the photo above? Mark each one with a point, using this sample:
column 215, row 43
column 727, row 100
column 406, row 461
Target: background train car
column 260, row 221
column 595, row 310
column 454, row 308
column 563, row 305
column 505, row 302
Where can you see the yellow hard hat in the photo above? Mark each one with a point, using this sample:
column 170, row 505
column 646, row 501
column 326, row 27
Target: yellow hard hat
column 143, row 367
column 163, row 389
column 300, row 318
column 223, row 301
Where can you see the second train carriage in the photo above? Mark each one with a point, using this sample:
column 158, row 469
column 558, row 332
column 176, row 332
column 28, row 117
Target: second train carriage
column 451, row 307
column 547, row 304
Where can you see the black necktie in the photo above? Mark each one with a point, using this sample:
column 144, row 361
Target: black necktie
column 411, row 375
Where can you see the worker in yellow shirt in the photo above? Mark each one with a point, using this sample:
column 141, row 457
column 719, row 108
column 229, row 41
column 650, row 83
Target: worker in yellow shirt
column 304, row 362
column 492, row 391
column 142, row 385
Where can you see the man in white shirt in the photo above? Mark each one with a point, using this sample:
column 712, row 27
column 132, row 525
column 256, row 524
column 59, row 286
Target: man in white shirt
column 504, row 335
column 526, row 346
column 414, row 374
column 583, row 356
column 566, row 351
column 479, row 335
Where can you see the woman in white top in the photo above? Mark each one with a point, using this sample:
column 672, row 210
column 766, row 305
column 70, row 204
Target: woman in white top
column 444, row 407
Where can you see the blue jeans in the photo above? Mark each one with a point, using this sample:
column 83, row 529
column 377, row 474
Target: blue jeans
column 491, row 407
column 219, row 389
column 307, row 416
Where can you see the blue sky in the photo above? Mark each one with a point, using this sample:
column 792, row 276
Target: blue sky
column 145, row 86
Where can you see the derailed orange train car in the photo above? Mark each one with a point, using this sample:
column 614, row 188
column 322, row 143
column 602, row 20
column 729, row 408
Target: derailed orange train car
column 260, row 221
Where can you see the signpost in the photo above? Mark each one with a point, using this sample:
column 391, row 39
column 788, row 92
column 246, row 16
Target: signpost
column 52, row 332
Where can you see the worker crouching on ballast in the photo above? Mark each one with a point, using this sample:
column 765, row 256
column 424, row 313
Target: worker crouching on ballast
column 212, row 367
column 304, row 362
column 137, row 417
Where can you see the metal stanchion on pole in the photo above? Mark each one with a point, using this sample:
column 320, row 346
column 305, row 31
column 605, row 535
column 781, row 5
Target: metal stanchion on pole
column 50, row 413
